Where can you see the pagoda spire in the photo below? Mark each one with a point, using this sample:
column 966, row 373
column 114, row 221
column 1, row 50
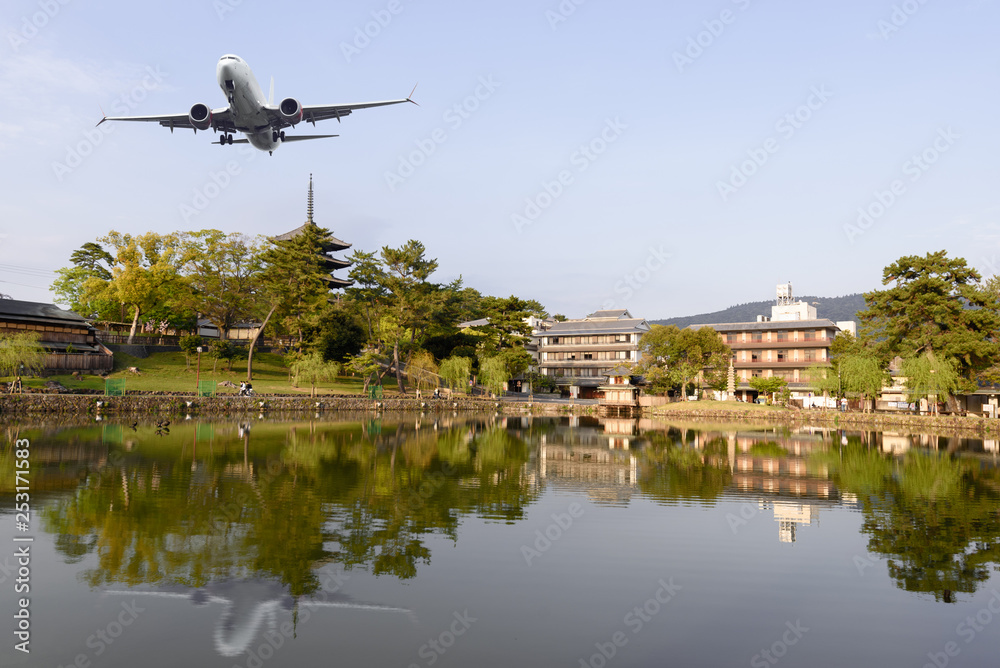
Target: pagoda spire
column 309, row 206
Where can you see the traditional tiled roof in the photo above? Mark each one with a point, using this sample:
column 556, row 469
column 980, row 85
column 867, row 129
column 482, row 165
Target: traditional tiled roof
column 769, row 325
column 14, row 310
column 568, row 327
column 617, row 314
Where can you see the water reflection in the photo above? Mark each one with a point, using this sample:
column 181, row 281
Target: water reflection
column 248, row 604
column 249, row 516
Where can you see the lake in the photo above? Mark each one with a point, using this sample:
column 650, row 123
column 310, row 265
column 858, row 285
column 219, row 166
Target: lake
column 454, row 540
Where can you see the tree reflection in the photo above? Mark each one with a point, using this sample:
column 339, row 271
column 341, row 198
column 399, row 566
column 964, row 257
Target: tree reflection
column 933, row 516
column 287, row 501
column 673, row 470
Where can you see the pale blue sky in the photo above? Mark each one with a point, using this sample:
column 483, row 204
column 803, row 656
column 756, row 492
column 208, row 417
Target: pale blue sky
column 649, row 207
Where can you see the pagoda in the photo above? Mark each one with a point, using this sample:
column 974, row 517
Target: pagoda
column 330, row 244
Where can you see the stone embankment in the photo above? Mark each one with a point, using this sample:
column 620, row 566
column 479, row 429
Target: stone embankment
column 851, row 420
column 175, row 404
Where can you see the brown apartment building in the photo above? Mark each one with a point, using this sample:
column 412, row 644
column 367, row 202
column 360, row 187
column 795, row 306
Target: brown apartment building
column 784, row 345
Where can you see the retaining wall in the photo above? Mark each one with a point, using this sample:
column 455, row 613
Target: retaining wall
column 14, row 405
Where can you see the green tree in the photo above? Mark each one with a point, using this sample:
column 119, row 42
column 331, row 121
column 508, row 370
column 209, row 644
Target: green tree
column 493, row 374
column 927, row 376
column 223, row 350
column 144, row 276
column 311, row 368
column 90, row 261
column 768, row 386
column 339, row 334
column 823, row 379
column 370, row 365
column 936, row 304
column 369, row 293
column 456, row 371
column 415, row 300
column 506, row 326
column 21, row 352
column 296, row 280
column 672, row 357
column 863, row 374
column 190, row 345
column 222, row 271
column 422, row 370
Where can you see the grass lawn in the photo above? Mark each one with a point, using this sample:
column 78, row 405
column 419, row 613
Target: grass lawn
column 727, row 406
column 168, row 372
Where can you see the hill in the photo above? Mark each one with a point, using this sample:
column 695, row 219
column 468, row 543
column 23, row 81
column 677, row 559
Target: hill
column 833, row 308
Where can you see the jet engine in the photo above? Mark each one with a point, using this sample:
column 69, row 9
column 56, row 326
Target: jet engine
column 291, row 110
column 200, row 117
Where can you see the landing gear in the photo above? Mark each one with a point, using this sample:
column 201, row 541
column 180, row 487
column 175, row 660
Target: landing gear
column 277, row 136
column 225, row 139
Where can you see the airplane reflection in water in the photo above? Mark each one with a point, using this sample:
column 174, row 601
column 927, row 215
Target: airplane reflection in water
column 247, row 604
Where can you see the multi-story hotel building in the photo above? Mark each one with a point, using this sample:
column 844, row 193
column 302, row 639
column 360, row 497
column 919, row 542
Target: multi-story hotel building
column 784, row 345
column 578, row 354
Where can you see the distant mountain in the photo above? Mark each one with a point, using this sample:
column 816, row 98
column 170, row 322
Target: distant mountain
column 831, row 308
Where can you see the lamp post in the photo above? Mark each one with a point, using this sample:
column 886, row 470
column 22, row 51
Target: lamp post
column 197, row 381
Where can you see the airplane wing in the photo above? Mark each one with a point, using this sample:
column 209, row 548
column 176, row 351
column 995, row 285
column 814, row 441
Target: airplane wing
column 304, row 137
column 322, row 112
column 221, row 120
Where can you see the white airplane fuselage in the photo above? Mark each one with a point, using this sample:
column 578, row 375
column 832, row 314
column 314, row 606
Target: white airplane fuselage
column 246, row 102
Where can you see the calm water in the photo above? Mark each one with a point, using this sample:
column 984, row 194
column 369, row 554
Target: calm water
column 464, row 541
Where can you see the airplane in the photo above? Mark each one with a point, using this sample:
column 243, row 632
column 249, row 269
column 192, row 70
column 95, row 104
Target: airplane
column 249, row 112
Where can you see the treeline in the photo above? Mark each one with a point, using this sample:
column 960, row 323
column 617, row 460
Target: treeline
column 393, row 318
column 936, row 323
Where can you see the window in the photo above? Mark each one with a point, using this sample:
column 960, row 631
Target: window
column 588, row 356
column 757, row 337
column 810, row 355
column 782, row 355
column 553, row 340
column 731, row 338
column 782, row 336
column 810, row 335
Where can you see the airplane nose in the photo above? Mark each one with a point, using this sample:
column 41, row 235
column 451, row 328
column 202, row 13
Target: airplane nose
column 224, row 72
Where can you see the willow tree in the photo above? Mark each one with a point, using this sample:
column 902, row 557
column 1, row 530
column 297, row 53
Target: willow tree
column 456, row 371
column 19, row 351
column 928, row 376
column 313, row 369
column 863, row 374
column 493, row 374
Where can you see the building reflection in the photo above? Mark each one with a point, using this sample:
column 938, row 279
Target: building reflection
column 594, row 455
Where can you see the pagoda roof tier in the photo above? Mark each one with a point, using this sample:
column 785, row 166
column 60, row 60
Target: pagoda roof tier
column 336, row 263
column 332, row 244
column 335, row 282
